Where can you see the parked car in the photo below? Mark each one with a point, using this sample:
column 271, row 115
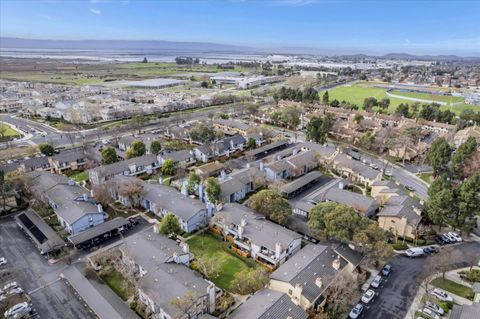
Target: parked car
column 435, row 307
column 386, row 270
column 3, row 261
column 450, row 238
column 442, row 295
column 410, row 188
column 455, row 236
column 429, row 250
column 368, row 296
column 376, row 281
column 429, row 312
column 18, row 309
column 440, row 240
column 414, row 252
column 356, row 311
column 388, row 173
column 10, row 285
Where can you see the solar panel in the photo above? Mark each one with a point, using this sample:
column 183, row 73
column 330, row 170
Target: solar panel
column 39, row 236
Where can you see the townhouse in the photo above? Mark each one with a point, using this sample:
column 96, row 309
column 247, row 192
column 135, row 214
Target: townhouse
column 75, row 209
column 146, row 164
column 253, row 236
column 355, row 170
column 160, row 268
column 305, row 277
column 68, row 160
column 238, row 184
column 160, row 199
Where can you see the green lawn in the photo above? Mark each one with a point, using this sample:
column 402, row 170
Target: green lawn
column 116, row 282
column 206, row 245
column 7, row 131
column 357, row 93
column 432, row 97
column 453, row 287
column 79, row 176
column 426, row 177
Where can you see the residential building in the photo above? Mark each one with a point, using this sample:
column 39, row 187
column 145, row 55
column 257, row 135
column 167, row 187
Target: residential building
column 75, row 209
column 253, row 236
column 269, row 304
column 306, row 276
column 355, row 170
column 68, row 160
column 146, row 164
column 238, row 184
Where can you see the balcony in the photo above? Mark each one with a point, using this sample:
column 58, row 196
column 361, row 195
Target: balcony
column 242, row 243
column 216, row 230
column 240, row 251
column 270, row 267
column 230, row 238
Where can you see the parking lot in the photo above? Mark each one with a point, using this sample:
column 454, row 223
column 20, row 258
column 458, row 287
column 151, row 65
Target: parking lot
column 398, row 291
column 51, row 297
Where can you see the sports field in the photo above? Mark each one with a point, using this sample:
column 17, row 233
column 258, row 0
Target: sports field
column 357, row 93
column 432, row 97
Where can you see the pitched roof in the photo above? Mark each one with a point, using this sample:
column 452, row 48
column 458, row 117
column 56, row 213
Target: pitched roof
column 259, row 230
column 402, row 206
column 269, row 304
column 97, row 230
column 300, row 182
column 356, row 166
column 122, row 166
column 465, row 311
column 70, row 155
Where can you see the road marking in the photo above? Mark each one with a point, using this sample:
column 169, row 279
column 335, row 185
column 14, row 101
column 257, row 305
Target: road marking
column 44, row 286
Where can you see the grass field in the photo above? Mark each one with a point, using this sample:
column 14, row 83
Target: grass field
column 426, row 177
column 453, row 287
column 205, row 245
column 117, row 283
column 79, row 176
column 432, row 97
column 7, row 131
column 357, row 93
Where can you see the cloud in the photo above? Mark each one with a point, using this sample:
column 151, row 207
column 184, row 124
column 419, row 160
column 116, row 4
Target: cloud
column 95, row 11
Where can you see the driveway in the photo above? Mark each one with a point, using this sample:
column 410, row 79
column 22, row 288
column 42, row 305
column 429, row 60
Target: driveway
column 399, row 290
column 51, row 297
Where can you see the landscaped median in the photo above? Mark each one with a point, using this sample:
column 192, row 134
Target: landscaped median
column 453, row 287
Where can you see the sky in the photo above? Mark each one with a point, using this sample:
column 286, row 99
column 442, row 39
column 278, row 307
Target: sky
column 354, row 26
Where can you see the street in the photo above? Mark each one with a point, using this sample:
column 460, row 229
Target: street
column 398, row 291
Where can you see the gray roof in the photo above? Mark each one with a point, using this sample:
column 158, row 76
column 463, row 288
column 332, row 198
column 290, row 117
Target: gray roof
column 304, row 205
column 267, row 148
column 43, row 235
column 402, row 206
column 465, row 311
column 36, row 162
column 236, row 181
column 123, row 166
column 204, row 149
column 269, row 304
column 177, row 156
column 325, row 151
column 164, row 281
column 69, row 156
column 300, row 182
column 259, row 230
column 230, row 186
column 168, row 198
column 352, row 256
column 97, row 230
column 356, row 166
column 279, row 166
column 303, row 158
column 234, row 124
column 309, row 264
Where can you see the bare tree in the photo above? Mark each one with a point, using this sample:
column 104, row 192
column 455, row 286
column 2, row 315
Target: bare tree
column 186, row 304
column 339, row 296
column 209, row 267
column 133, row 190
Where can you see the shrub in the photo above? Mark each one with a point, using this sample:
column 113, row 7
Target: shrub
column 471, row 275
column 399, row 246
column 446, row 305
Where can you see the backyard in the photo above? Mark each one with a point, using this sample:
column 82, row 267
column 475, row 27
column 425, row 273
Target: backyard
column 117, row 283
column 79, row 176
column 208, row 246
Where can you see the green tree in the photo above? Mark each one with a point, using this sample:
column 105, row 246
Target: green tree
column 212, row 189
column 251, row 143
column 155, row 147
column 369, row 103
column 316, row 222
column 170, row 225
column 249, row 281
column 343, row 222
column 358, row 118
column 136, row 149
column 193, row 181
column 469, row 203
column 290, row 117
column 275, row 117
column 402, row 110
column 384, row 103
column 318, row 128
column 138, row 119
column 168, row 167
column 46, row 149
column 441, row 206
column 325, row 97
column 439, row 154
column 109, row 155
column 367, row 139
column 271, row 204
column 463, row 152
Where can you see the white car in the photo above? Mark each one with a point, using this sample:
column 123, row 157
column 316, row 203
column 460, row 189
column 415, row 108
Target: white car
column 376, row 281
column 388, row 173
column 435, row 307
column 3, row 261
column 368, row 296
column 21, row 308
column 455, row 236
column 442, row 295
column 429, row 312
column 356, row 311
column 9, row 286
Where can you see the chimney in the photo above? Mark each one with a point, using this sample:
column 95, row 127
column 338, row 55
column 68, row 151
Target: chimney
column 336, row 263
column 261, row 166
column 240, row 231
column 341, row 185
column 184, row 189
column 100, row 208
column 319, row 282
column 248, row 165
column 185, row 247
column 295, row 151
column 278, row 250
column 223, row 175
column 160, row 180
column 243, row 222
column 155, row 228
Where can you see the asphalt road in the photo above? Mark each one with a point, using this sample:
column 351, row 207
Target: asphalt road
column 397, row 293
column 51, row 297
